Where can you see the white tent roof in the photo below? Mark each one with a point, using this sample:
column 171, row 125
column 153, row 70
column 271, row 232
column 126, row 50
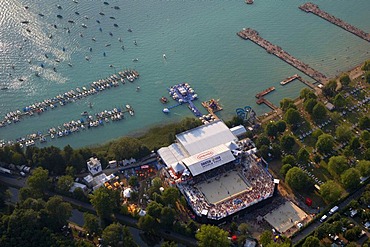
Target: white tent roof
column 209, row 159
column 172, row 154
column 178, row 167
column 205, row 137
column 238, row 130
column 232, row 145
column 127, row 192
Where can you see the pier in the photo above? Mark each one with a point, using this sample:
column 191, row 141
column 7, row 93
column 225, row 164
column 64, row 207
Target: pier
column 248, row 33
column 266, row 102
column 314, row 9
column 297, row 77
column 212, row 106
column 265, row 92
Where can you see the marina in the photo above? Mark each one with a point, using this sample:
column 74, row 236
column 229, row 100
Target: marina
column 314, row 9
column 265, row 92
column 250, row 34
column 70, row 96
column 66, row 129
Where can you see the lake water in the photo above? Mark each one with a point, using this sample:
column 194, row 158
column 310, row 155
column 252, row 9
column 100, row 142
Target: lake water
column 199, row 40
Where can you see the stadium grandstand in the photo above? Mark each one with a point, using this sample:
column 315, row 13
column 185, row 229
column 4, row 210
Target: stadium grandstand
column 218, row 174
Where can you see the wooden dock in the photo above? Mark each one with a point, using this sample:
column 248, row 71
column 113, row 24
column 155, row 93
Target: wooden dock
column 266, row 102
column 212, row 106
column 297, row 77
column 248, row 33
column 314, row 9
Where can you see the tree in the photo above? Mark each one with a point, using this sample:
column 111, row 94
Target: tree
column 170, row 196
column 366, row 65
column 367, row 76
column 289, row 159
column 330, row 191
column 309, row 104
column 38, row 181
column 284, row 169
column 154, row 209
column 212, row 236
column 243, row 228
column 339, row 101
column 286, row 104
column 65, row 183
column 363, row 166
column 58, row 212
column 355, row 143
column 117, row 235
column 306, row 94
column 91, row 223
column 276, row 150
column 169, row 244
column 364, row 122
column 287, row 142
column 344, row 79
column 128, row 147
column 319, row 111
column 167, row 216
column 281, row 126
column 303, row 155
column 365, row 135
column 337, row 165
column 148, row 224
column 265, row 238
column 343, row 133
column 262, row 140
column 351, row 178
column 316, row 133
column 264, row 151
column 104, row 202
column 296, row 178
column 325, row 143
column 292, row 117
column 133, row 181
column 271, row 129
column 329, row 89
column 311, row 241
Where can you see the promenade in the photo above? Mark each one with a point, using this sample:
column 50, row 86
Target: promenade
column 314, row 9
column 248, row 33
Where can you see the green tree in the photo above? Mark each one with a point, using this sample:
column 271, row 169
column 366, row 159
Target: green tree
column 243, row 228
column 212, row 236
column 309, row 104
column 287, row 142
column 168, row 244
column 289, row 159
column 365, row 135
column 292, row 117
column 264, row 151
column 128, row 147
column 319, row 111
column 71, row 171
column 104, row 202
column 133, row 181
column 316, row 133
column 364, row 168
column 281, row 126
column 38, row 181
column 91, row 223
column 330, row 191
column 154, row 209
column 351, row 178
column 343, row 133
column 367, row 76
column 329, row 89
column 262, row 140
column 355, row 143
column 170, row 196
column 296, row 178
column 271, row 129
column 286, row 104
column 306, row 94
column 303, row 155
column 325, row 143
column 65, row 183
column 276, row 150
column 284, row 169
column 344, row 79
column 117, row 235
column 58, row 212
column 364, row 122
column 148, row 224
column 366, row 65
column 167, row 216
column 337, row 165
column 311, row 241
column 265, row 238
column 339, row 101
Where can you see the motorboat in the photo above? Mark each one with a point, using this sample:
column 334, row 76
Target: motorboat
column 164, row 56
column 166, row 110
column 135, row 60
column 128, row 106
column 163, row 100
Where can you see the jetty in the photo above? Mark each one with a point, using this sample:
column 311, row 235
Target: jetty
column 314, row 9
column 265, row 92
column 251, row 34
column 289, row 79
column 212, row 106
column 266, row 102
column 70, row 96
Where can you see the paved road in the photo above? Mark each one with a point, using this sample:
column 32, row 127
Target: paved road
column 16, row 183
column 308, row 230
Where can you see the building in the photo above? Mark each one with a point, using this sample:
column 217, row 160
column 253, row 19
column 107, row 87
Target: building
column 94, row 166
column 218, row 174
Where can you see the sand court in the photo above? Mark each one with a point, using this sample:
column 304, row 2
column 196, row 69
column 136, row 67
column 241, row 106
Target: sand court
column 224, row 187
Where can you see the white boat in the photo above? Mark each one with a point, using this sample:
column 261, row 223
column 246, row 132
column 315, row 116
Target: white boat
column 131, row 112
column 164, row 56
column 166, row 110
column 128, row 106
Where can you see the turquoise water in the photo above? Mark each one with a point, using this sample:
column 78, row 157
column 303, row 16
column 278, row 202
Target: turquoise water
column 199, row 40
